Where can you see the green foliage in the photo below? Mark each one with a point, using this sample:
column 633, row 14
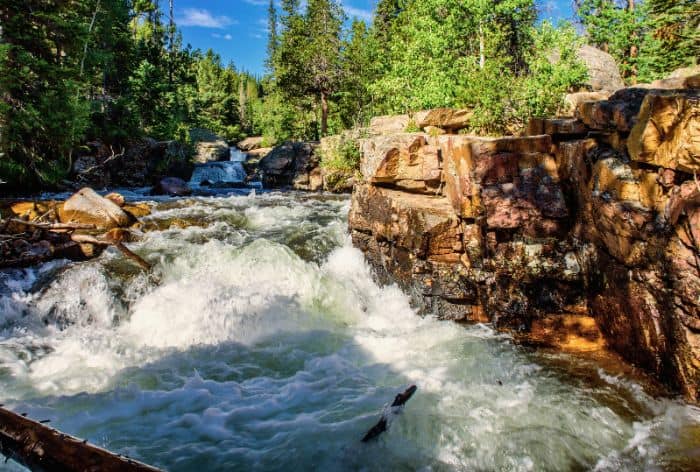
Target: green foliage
column 341, row 153
column 648, row 39
column 108, row 70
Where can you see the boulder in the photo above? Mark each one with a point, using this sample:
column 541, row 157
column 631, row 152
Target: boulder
column 667, row 133
column 603, row 72
column 445, row 118
column 558, row 128
column 685, row 78
column 211, row 151
column 87, row 207
column 116, row 198
column 618, row 113
column 389, row 124
column 573, row 100
column 289, row 164
column 388, row 158
column 172, row 186
column 251, row 143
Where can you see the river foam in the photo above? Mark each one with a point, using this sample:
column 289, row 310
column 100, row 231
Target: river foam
column 262, row 342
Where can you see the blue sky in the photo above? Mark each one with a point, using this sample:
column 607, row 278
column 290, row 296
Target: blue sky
column 237, row 29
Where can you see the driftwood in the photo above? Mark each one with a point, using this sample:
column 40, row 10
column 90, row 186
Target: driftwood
column 394, row 409
column 43, row 449
column 84, row 238
column 52, row 226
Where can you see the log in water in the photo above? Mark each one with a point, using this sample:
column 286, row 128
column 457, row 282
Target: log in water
column 44, row 449
column 259, row 341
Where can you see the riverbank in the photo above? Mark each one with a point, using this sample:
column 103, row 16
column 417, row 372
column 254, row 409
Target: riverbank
column 581, row 235
column 260, row 339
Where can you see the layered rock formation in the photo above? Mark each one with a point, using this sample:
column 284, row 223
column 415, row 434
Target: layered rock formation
column 587, row 230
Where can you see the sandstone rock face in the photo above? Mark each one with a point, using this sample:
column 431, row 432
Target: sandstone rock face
column 402, row 160
column 250, row 144
column 584, row 235
column 87, row 207
column 667, row 133
column 603, row 72
column 573, row 100
column 444, row 118
column 389, row 124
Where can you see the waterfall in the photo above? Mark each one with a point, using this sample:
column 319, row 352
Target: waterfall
column 221, row 172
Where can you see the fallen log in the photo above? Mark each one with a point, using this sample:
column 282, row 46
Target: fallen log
column 52, row 226
column 388, row 414
column 43, row 449
column 84, row 238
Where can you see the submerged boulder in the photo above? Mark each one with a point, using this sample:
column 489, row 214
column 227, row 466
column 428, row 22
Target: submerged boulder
column 172, row 186
column 87, row 207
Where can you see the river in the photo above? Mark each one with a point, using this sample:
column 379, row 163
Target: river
column 260, row 341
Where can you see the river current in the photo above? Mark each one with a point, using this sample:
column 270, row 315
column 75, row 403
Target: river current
column 260, row 341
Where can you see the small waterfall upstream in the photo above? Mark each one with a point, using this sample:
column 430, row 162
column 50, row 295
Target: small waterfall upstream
column 262, row 342
column 221, row 173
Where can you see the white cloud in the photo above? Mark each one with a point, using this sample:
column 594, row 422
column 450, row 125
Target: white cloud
column 227, row 36
column 203, row 18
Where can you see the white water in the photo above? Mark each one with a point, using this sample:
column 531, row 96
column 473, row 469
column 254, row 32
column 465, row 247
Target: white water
column 266, row 345
column 230, row 171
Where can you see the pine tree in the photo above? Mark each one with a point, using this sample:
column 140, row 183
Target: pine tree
column 272, row 36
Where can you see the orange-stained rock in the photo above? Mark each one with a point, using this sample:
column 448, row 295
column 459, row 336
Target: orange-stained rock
column 405, row 161
column 389, row 124
column 667, row 133
column 116, row 198
column 445, row 118
column 573, row 100
column 574, row 333
column 556, row 127
column 87, row 207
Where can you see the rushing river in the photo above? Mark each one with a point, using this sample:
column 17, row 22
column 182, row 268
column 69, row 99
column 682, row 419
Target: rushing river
column 261, row 342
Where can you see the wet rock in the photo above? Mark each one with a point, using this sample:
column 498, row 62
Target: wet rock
column 667, row 133
column 289, row 164
column 209, row 147
column 603, row 72
column 87, row 207
column 116, row 198
column 172, row 186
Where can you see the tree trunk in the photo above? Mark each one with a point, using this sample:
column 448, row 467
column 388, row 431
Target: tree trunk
column 482, row 48
column 40, row 448
column 324, row 114
column 634, row 48
column 172, row 42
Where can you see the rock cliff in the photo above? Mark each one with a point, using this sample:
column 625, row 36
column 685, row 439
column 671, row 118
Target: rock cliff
column 587, row 229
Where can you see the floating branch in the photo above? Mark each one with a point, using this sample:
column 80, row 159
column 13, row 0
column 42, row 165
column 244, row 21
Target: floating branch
column 394, row 409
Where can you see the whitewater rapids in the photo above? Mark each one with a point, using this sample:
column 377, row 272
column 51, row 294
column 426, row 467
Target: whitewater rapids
column 261, row 342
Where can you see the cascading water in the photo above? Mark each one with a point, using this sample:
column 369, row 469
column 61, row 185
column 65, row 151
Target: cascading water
column 262, row 342
column 221, row 172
